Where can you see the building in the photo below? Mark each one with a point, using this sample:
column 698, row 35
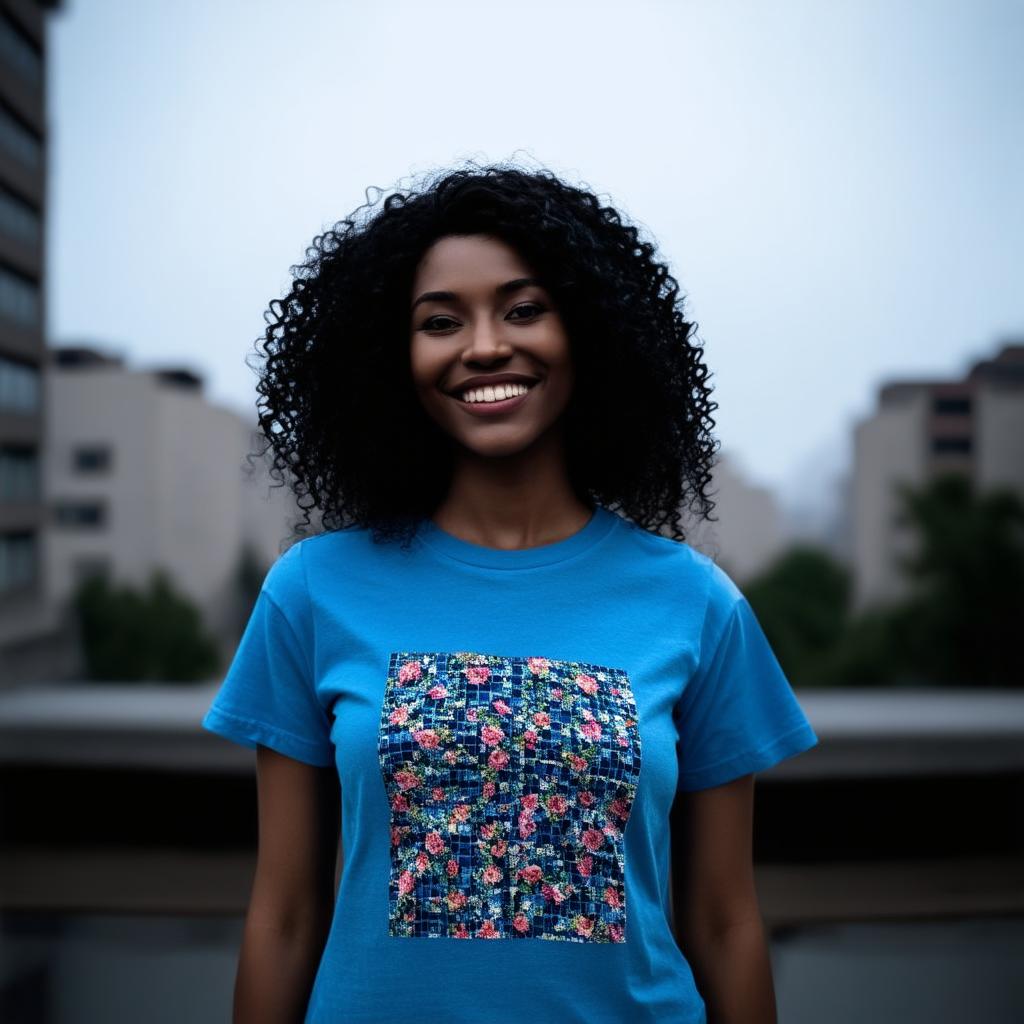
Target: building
column 748, row 530
column 923, row 428
column 24, row 623
column 142, row 472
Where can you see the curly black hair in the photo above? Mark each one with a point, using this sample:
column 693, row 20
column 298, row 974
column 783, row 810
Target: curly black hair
column 336, row 401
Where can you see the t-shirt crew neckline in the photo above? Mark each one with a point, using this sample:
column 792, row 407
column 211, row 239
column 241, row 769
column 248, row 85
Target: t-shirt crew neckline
column 599, row 525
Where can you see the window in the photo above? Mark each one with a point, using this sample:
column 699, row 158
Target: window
column 19, row 298
column 19, row 140
column 92, row 458
column 952, row 406
column 19, row 52
column 17, row 560
column 19, row 220
column 19, row 386
column 951, row 445
column 80, row 514
column 19, row 475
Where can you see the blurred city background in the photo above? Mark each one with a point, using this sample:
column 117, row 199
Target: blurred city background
column 837, row 187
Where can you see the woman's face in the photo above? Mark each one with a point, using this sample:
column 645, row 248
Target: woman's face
column 489, row 352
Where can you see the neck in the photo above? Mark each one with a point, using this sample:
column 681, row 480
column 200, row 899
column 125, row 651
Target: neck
column 517, row 501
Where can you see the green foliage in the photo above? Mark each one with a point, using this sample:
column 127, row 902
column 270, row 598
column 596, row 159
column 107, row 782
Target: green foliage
column 958, row 624
column 130, row 635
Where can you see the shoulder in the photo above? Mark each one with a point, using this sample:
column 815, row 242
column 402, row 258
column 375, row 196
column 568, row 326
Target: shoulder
column 287, row 580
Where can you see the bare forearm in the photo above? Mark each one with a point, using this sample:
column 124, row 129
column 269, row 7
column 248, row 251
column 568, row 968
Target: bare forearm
column 733, row 973
column 276, row 970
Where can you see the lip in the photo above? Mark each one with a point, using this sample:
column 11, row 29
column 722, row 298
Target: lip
column 489, row 380
column 492, row 408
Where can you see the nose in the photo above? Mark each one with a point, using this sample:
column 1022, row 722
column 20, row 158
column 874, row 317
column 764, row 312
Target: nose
column 485, row 343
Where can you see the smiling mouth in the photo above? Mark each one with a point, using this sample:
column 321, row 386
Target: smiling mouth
column 493, row 395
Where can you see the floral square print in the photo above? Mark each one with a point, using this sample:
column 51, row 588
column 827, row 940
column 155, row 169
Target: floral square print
column 510, row 781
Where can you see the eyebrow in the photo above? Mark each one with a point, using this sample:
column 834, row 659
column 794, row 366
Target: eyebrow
column 501, row 289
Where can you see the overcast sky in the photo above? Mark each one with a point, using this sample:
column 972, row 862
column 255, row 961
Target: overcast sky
column 836, row 186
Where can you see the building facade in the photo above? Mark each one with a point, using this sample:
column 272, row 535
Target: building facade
column 142, row 472
column 919, row 430
column 24, row 622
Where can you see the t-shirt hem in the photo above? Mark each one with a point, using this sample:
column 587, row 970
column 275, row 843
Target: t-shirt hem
column 248, row 732
column 788, row 744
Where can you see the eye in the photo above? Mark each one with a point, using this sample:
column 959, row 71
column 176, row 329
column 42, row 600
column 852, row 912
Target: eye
column 431, row 323
column 531, row 309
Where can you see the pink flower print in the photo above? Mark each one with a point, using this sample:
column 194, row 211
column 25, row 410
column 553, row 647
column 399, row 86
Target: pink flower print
column 611, row 897
column 489, row 787
column 529, row 801
column 438, row 691
column 623, row 742
column 406, row 779
column 584, row 925
column 396, row 835
column 529, row 739
column 556, row 692
column 437, row 793
column 399, row 716
column 400, row 803
column 531, row 874
column 557, row 804
column 611, row 831
column 616, row 691
column 499, row 848
column 501, row 707
column 592, row 730
column 488, row 830
column 434, row 843
column 471, row 715
column 478, row 674
column 615, row 931
column 526, row 825
column 521, row 923
column 406, row 883
column 456, row 899
column 488, row 931
column 491, row 735
column 460, row 932
column 552, row 892
column 592, row 839
column 538, row 666
column 587, row 714
column 578, row 763
column 426, row 738
column 588, row 684
column 492, row 875
column 460, row 812
column 586, row 798
column 585, row 865
column 630, row 722
column 620, row 808
column 541, row 719
column 422, row 862
column 452, row 867
column 498, row 759
column 450, row 756
column 409, row 672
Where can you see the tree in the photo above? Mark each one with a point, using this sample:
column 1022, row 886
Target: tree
column 130, row 635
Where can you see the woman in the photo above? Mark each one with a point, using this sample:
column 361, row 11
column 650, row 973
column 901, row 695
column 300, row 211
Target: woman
column 523, row 694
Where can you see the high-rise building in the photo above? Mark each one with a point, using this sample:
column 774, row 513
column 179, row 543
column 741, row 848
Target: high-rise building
column 23, row 149
column 923, row 428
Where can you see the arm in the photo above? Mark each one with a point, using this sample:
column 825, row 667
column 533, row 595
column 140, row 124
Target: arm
column 715, row 907
column 292, row 899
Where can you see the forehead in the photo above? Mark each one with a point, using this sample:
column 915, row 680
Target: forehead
column 463, row 262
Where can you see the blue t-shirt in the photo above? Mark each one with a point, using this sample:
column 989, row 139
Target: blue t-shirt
column 510, row 729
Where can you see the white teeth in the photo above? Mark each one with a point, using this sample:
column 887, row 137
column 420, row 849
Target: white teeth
column 494, row 394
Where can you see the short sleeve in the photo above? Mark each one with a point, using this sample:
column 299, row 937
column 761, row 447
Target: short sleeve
column 268, row 695
column 737, row 713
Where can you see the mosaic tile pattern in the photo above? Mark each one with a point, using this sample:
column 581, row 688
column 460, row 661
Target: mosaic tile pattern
column 510, row 782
